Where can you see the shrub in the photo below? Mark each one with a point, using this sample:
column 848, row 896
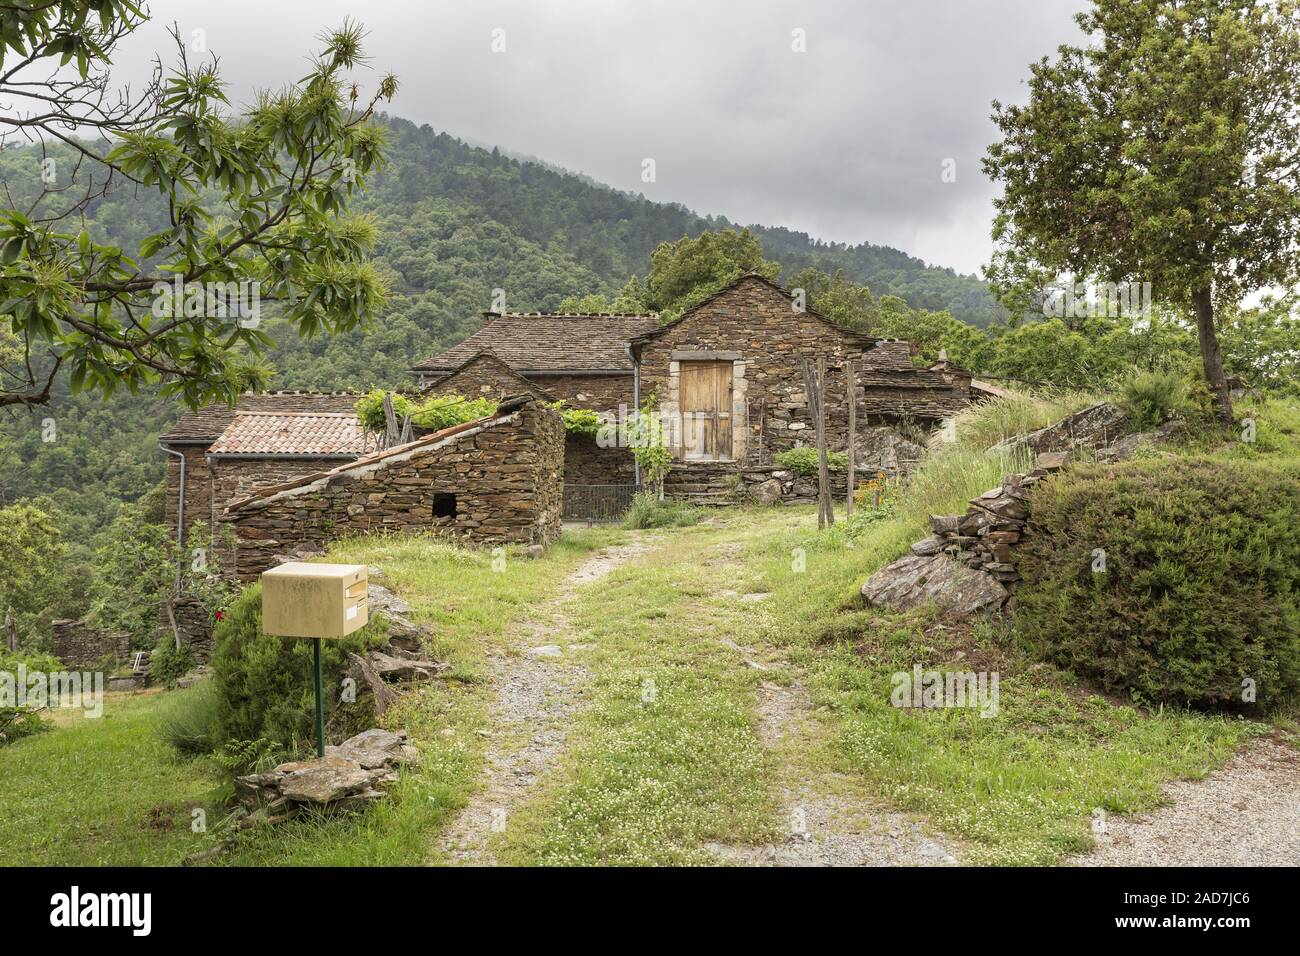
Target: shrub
column 189, row 721
column 648, row 511
column 1197, row 583
column 804, row 461
column 265, row 683
column 167, row 663
column 431, row 415
column 18, row 722
column 578, row 421
column 1152, row 398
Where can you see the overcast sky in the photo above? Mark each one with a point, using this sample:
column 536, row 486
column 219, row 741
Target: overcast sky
column 846, row 141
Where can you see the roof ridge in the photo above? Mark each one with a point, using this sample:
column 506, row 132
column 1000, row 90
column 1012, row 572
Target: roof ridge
column 288, row 412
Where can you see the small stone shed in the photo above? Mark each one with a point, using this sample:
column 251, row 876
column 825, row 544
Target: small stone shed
column 219, row 454
column 496, row 480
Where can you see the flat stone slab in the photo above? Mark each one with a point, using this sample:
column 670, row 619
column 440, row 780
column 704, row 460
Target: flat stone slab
column 917, row 580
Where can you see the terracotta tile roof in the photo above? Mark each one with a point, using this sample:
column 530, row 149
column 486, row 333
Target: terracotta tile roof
column 380, row 459
column 207, row 424
column 549, row 342
column 292, row 434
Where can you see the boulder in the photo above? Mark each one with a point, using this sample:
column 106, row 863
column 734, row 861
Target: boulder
column 375, row 749
column 325, row 780
column 927, row 546
column 1127, row 446
column 1094, row 427
column 402, row 631
column 767, row 492
column 916, row 580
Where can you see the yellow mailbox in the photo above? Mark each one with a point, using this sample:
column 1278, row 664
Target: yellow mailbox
column 314, row 600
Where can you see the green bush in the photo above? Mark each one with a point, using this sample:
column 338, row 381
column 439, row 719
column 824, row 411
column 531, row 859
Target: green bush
column 431, row 415
column 265, row 685
column 1150, row 399
column 1196, row 582
column 188, row 721
column 167, row 663
column 804, row 461
column 648, row 511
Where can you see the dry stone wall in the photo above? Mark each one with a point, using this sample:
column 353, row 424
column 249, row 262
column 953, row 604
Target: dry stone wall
column 79, row 644
column 498, row 481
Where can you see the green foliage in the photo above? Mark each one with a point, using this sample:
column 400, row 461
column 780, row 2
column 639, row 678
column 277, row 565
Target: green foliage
column 684, row 273
column 32, row 581
column 434, row 414
column 1152, row 398
column 167, row 663
column 255, row 201
column 19, row 722
column 987, row 423
column 645, row 435
column 648, row 511
column 578, row 421
column 1162, row 151
column 805, row 460
column 1200, row 580
column 265, row 682
column 134, row 568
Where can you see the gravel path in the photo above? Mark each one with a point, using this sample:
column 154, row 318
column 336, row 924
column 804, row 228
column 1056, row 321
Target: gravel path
column 826, row 823
column 1246, row 814
column 538, row 693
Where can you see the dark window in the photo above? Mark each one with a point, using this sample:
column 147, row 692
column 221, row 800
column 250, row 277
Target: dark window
column 444, row 505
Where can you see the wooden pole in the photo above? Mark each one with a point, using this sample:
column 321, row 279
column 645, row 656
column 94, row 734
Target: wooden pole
column 810, row 387
column 823, row 472
column 851, row 393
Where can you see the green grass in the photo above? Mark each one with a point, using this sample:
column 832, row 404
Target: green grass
column 102, row 792
column 665, row 759
column 111, row 791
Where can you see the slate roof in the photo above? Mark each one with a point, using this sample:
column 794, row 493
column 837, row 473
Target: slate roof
column 381, row 459
column 532, row 342
column 205, row 426
column 291, row 435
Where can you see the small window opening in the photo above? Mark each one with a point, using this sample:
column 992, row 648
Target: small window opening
column 444, row 504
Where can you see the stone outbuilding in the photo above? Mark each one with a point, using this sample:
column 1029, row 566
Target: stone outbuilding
column 495, row 480
column 219, row 454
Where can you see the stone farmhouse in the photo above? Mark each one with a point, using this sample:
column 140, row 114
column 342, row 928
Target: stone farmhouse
column 726, row 378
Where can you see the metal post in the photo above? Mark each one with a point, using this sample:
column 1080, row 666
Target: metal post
column 320, row 704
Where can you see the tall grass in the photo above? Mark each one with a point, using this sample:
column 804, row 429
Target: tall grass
column 985, row 424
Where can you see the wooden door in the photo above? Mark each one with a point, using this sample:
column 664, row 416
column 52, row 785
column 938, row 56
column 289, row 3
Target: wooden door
column 705, row 392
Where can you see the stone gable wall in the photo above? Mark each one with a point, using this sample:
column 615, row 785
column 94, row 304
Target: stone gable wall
column 755, row 327
column 485, row 377
column 507, row 481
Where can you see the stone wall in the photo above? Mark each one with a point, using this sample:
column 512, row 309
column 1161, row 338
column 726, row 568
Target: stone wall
column 986, row 538
column 586, row 463
column 496, row 481
column 194, row 622
column 601, row 393
column 486, row 376
column 198, row 488
column 79, row 644
column 234, row 478
column 754, row 326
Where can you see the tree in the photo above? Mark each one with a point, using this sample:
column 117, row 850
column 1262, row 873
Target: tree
column 31, row 572
column 256, row 210
column 685, row 272
column 1166, row 151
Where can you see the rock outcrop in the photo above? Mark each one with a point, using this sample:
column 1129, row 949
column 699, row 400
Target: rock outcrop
column 938, row 580
column 349, row 776
column 969, row 563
